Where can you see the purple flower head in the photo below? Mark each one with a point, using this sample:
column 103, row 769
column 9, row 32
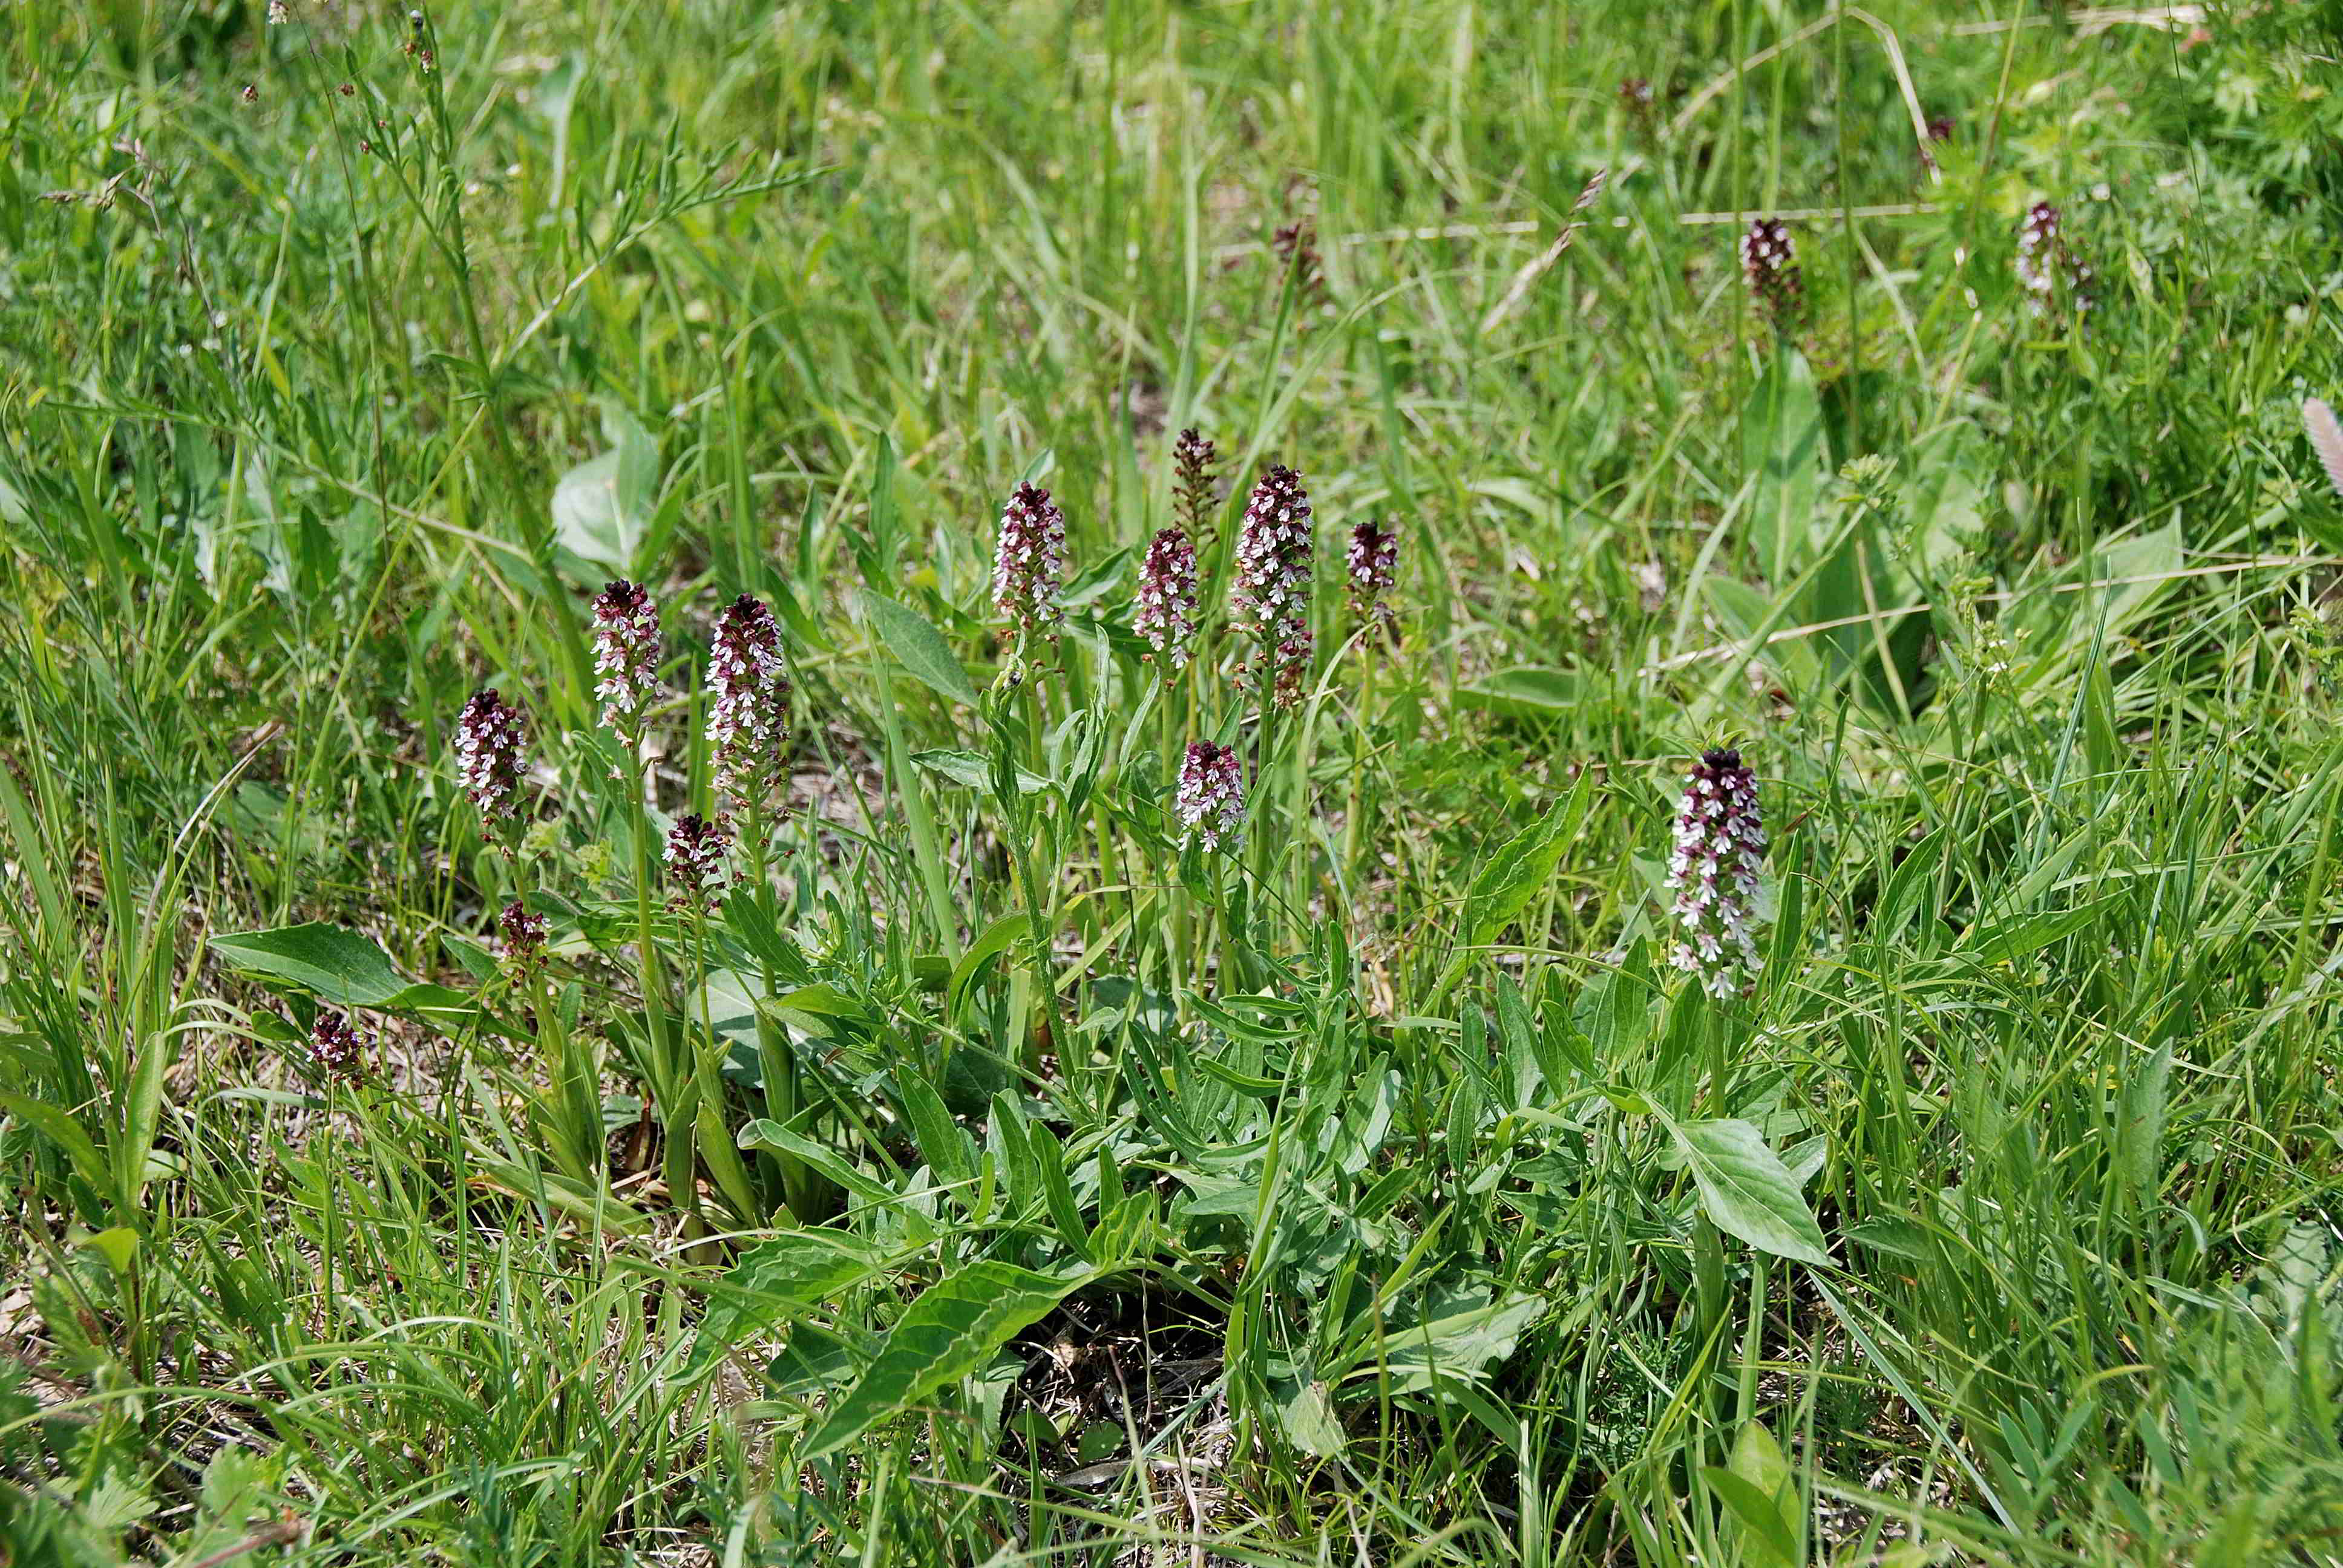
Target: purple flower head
column 1195, row 489
column 2046, row 266
column 1211, row 795
column 1271, row 602
column 695, row 862
column 626, row 657
column 1030, row 567
column 487, row 754
column 1720, row 845
column 336, row 1048
column 1166, row 597
column 748, row 717
column 1371, row 562
column 524, row 936
column 1769, row 262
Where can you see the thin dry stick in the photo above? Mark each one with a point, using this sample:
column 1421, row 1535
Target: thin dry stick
column 2094, row 19
column 1727, row 649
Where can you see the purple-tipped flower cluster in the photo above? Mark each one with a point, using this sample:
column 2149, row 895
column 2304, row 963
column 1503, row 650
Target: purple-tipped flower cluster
column 1720, row 844
column 1195, row 488
column 1211, row 795
column 336, row 1048
column 1028, row 567
column 626, row 657
column 748, row 717
column 1371, row 562
column 1272, row 596
column 524, row 936
column 487, row 754
column 2046, row 266
column 1167, row 598
column 1769, row 262
column 695, row 862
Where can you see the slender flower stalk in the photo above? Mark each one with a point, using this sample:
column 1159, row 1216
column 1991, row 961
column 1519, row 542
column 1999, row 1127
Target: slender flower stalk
column 1029, row 571
column 1371, row 562
column 1769, row 263
column 1167, row 598
column 1272, row 596
column 748, row 717
column 488, row 733
column 695, row 862
column 337, row 1049
column 626, row 657
column 1210, row 804
column 1720, row 845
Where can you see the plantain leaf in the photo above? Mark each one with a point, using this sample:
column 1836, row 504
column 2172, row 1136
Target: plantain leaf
column 1747, row 1191
column 946, row 1336
column 774, row 1281
column 340, row 966
column 919, row 648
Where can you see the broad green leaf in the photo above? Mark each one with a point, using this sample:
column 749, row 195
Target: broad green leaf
column 919, row 648
column 997, row 939
column 1532, row 689
column 788, row 1274
column 1748, row 1191
column 340, row 966
column 602, row 508
column 1306, row 1416
column 950, row 1152
column 973, row 770
column 944, row 1336
column 765, row 1133
column 1504, row 885
column 1462, row 1337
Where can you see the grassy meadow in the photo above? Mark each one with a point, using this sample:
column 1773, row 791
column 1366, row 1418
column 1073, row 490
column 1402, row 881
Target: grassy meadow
column 801, row 1081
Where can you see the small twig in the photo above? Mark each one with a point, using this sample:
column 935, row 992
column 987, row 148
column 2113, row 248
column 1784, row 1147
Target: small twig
column 282, row 1532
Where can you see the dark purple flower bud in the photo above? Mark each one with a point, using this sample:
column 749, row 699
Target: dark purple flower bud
column 1635, row 97
column 1769, row 261
column 1373, row 563
column 487, row 754
column 626, row 657
column 1166, row 597
column 1029, row 569
column 524, row 936
column 1195, row 488
column 1211, row 795
column 1720, row 845
column 1271, row 602
column 2046, row 266
column 748, row 717
column 336, row 1048
column 695, row 861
